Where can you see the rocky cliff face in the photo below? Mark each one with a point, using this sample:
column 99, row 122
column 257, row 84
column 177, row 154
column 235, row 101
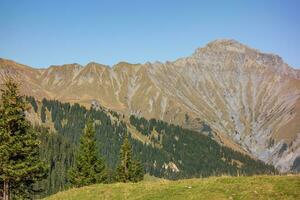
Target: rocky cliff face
column 249, row 98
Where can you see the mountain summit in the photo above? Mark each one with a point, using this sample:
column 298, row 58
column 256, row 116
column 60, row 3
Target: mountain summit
column 249, row 98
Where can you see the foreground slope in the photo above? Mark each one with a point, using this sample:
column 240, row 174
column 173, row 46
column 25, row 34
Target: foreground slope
column 256, row 187
column 247, row 97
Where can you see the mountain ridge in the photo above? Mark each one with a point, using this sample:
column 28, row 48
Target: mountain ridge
column 212, row 44
column 247, row 97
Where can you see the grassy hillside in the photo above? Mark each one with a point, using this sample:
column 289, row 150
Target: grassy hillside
column 255, row 187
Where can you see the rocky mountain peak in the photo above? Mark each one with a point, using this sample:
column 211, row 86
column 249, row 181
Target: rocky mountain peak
column 232, row 54
column 225, row 45
column 66, row 68
column 95, row 65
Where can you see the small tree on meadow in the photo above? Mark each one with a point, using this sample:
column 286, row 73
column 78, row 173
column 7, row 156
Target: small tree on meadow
column 128, row 170
column 88, row 167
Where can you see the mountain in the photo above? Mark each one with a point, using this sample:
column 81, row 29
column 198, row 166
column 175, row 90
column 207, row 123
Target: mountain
column 250, row 99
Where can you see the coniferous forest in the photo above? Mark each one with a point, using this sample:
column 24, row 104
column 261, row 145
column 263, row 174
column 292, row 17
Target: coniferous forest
column 170, row 151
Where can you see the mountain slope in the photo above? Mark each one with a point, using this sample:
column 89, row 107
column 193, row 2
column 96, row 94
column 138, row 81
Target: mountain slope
column 165, row 150
column 247, row 97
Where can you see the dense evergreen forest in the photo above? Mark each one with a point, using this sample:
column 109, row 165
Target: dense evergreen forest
column 172, row 153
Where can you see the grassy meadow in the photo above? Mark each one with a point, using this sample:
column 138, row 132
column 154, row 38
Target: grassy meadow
column 252, row 187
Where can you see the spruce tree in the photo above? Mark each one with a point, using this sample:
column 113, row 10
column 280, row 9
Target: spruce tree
column 20, row 164
column 128, row 170
column 43, row 114
column 88, row 168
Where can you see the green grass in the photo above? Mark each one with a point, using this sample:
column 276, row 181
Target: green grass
column 254, row 187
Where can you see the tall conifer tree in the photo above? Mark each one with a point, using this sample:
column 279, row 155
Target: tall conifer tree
column 128, row 170
column 88, row 168
column 20, row 164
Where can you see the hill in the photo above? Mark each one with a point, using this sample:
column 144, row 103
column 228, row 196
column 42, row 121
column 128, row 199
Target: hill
column 256, row 187
column 248, row 98
column 165, row 150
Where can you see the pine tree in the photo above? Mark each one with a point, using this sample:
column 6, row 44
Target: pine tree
column 88, row 168
column 43, row 114
column 128, row 170
column 20, row 164
column 137, row 171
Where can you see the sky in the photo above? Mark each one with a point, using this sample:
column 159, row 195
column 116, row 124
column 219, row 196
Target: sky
column 40, row 33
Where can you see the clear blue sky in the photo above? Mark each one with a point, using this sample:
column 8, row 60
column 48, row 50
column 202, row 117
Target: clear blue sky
column 40, row 33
